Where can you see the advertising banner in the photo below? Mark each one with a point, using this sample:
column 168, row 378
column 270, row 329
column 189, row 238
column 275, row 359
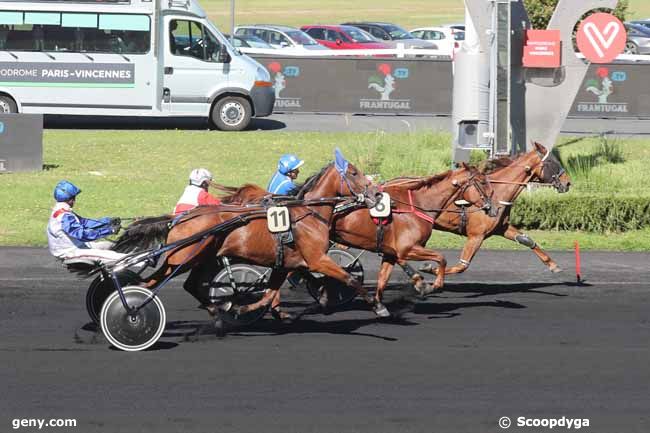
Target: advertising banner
column 614, row 90
column 353, row 85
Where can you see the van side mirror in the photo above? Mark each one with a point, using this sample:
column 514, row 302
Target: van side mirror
column 224, row 55
column 339, row 42
column 284, row 44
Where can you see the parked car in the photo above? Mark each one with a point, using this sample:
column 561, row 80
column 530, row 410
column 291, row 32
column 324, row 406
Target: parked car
column 343, row 37
column 281, row 37
column 245, row 41
column 447, row 40
column 644, row 23
column 638, row 39
column 392, row 34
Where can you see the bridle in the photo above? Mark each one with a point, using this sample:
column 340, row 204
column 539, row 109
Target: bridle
column 544, row 161
column 362, row 196
column 472, row 180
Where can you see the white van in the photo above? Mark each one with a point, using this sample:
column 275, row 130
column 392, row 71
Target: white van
column 126, row 58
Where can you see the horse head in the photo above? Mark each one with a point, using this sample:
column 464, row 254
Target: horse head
column 340, row 179
column 549, row 170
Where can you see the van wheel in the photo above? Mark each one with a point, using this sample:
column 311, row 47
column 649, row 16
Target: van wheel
column 231, row 113
column 7, row 105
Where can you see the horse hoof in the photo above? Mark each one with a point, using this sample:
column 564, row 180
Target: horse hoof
column 431, row 289
column 428, row 268
column 555, row 269
column 219, row 329
column 283, row 317
column 381, row 310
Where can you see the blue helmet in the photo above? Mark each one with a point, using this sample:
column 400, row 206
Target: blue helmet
column 64, row 191
column 289, row 162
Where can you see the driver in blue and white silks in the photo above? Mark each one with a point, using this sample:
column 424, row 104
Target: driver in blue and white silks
column 288, row 169
column 71, row 236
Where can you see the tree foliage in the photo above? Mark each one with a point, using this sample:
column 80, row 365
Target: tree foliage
column 541, row 11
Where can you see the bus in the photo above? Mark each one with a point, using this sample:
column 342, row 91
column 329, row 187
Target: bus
column 159, row 58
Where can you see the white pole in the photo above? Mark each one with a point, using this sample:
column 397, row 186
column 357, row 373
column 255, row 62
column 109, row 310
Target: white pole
column 232, row 22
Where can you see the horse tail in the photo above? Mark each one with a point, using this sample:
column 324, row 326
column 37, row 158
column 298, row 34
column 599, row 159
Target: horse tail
column 144, row 234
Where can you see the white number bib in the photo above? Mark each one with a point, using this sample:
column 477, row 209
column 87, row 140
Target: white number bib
column 382, row 208
column 277, row 219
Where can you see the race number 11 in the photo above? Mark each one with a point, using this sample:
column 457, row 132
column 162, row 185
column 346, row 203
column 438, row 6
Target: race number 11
column 277, row 219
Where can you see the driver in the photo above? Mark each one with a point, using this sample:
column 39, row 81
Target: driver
column 71, row 236
column 288, row 169
column 196, row 193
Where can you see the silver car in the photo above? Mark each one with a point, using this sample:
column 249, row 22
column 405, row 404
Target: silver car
column 281, row 37
column 638, row 39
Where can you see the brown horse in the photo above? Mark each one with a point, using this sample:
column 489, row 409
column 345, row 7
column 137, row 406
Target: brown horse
column 254, row 243
column 404, row 234
column 508, row 181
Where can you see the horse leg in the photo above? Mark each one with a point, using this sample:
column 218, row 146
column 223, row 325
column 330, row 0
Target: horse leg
column 382, row 281
column 159, row 275
column 516, row 236
column 471, row 247
column 420, row 253
column 325, row 265
column 276, row 311
column 271, row 295
column 416, row 279
column 198, row 282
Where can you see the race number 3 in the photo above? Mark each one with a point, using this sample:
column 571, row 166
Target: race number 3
column 382, row 208
column 277, row 219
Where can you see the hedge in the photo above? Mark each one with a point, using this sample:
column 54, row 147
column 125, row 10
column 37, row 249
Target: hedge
column 597, row 214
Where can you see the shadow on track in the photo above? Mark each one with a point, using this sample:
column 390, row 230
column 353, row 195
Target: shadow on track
column 485, row 289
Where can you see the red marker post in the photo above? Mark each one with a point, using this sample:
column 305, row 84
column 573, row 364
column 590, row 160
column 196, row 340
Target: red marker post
column 577, row 253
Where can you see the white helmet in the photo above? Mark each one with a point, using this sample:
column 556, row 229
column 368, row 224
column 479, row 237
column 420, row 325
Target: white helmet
column 200, row 175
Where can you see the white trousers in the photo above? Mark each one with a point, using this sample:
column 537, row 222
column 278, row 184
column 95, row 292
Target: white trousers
column 99, row 251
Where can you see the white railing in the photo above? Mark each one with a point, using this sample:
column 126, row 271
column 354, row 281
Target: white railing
column 399, row 52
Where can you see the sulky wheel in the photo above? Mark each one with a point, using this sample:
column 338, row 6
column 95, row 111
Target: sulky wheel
column 136, row 331
column 250, row 287
column 102, row 287
column 338, row 293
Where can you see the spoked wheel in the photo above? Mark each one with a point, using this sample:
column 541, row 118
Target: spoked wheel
column 136, row 330
column 101, row 288
column 338, row 293
column 249, row 287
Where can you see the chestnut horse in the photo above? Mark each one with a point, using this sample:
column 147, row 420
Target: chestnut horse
column 508, row 181
column 404, row 234
column 254, row 243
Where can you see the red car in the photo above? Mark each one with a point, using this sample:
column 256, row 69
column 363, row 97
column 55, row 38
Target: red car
column 343, row 37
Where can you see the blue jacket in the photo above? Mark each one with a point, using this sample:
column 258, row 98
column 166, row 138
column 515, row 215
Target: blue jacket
column 85, row 229
column 280, row 184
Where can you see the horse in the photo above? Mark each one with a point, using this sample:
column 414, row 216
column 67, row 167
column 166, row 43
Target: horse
column 254, row 243
column 508, row 180
column 404, row 234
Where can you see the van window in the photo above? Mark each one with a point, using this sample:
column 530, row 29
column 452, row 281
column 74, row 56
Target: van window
column 75, row 32
column 189, row 38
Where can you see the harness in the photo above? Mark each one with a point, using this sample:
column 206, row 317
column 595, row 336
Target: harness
column 421, row 213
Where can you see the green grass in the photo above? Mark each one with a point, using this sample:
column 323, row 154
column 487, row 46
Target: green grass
column 407, row 13
column 138, row 173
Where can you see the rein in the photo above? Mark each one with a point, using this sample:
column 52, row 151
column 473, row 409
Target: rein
column 420, row 211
